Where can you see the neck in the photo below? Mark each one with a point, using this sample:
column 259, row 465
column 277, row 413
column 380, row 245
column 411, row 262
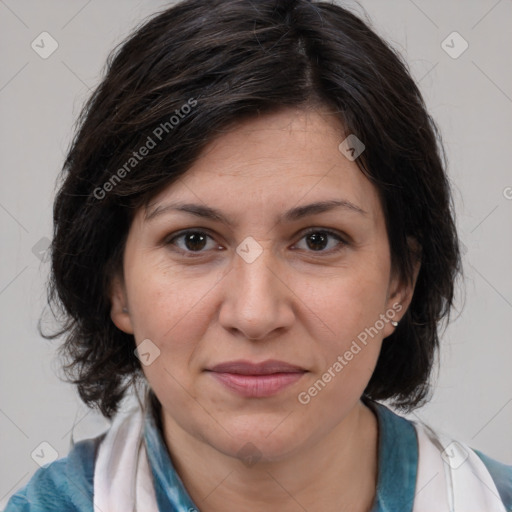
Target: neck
column 339, row 472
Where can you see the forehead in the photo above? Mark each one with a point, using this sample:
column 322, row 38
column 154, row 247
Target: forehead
column 286, row 158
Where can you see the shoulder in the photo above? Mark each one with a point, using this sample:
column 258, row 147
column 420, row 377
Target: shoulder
column 502, row 475
column 480, row 470
column 65, row 484
column 408, row 438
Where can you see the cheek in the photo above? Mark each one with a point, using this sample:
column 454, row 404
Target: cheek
column 343, row 316
column 162, row 295
column 166, row 312
column 349, row 340
column 169, row 308
column 344, row 304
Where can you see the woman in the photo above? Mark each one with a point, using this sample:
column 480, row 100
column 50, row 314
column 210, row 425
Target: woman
column 256, row 226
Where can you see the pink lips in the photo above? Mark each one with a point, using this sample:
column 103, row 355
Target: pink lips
column 256, row 380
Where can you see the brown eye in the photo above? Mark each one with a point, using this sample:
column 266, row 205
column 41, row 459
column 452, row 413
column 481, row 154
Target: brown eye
column 318, row 240
column 191, row 241
column 195, row 241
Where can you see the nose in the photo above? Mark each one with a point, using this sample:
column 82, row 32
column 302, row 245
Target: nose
column 257, row 300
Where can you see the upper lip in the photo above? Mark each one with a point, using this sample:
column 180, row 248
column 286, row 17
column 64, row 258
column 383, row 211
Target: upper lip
column 268, row 367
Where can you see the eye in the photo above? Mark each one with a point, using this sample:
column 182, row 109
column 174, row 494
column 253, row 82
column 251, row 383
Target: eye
column 318, row 239
column 192, row 241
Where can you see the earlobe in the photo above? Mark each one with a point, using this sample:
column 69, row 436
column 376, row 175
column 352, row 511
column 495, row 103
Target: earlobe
column 119, row 312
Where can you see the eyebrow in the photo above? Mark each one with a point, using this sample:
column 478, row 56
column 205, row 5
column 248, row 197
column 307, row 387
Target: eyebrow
column 291, row 215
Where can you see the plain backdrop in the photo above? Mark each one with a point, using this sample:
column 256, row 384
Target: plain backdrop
column 470, row 97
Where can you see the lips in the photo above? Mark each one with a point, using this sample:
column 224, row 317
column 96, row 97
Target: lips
column 264, row 368
column 256, row 380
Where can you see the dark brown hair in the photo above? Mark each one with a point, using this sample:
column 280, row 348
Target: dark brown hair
column 188, row 73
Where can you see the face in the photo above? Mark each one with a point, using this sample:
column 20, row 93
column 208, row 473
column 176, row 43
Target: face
column 232, row 266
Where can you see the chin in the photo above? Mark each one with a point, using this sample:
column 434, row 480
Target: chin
column 260, row 440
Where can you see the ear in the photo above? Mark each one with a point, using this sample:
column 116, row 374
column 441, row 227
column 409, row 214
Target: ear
column 400, row 293
column 119, row 311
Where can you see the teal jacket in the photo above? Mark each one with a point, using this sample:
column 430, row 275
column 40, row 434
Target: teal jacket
column 67, row 484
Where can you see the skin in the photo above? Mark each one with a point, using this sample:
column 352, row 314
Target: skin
column 292, row 303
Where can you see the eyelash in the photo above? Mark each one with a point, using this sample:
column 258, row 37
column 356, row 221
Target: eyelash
column 195, row 254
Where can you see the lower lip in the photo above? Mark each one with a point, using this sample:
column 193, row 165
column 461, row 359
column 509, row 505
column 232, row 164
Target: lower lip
column 257, row 386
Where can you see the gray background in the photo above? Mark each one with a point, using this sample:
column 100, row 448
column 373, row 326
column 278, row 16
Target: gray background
column 469, row 96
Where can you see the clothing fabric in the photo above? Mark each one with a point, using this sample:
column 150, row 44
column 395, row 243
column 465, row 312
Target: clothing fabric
column 129, row 468
column 451, row 477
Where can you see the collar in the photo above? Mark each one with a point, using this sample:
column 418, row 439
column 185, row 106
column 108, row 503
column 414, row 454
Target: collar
column 398, row 461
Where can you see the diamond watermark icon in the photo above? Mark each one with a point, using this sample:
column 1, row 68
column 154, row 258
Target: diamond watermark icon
column 44, row 453
column 454, row 45
column 351, row 147
column 41, row 249
column 454, row 455
column 249, row 249
column 44, row 45
column 147, row 352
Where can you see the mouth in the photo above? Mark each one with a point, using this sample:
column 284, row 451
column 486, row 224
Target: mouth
column 256, row 380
